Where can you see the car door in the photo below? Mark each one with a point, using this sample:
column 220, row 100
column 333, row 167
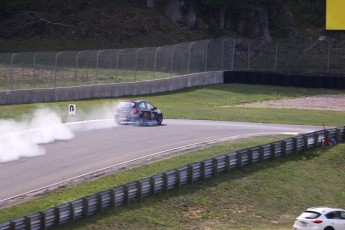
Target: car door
column 339, row 222
column 335, row 219
column 152, row 109
column 145, row 112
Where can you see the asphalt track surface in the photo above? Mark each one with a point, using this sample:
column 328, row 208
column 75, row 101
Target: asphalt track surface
column 92, row 152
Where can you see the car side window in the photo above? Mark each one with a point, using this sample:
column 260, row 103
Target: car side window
column 332, row 215
column 342, row 215
column 142, row 105
column 149, row 106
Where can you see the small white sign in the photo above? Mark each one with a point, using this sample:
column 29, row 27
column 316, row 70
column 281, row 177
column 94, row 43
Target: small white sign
column 72, row 109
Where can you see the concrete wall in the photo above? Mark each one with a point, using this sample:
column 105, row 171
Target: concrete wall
column 110, row 90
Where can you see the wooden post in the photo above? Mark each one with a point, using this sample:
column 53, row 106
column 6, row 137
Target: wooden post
column 190, row 174
column 284, row 150
column 273, row 150
column 43, row 220
column 239, row 159
column 215, row 167
column 202, row 170
column 85, row 207
column 139, row 190
column 71, row 211
column 227, row 163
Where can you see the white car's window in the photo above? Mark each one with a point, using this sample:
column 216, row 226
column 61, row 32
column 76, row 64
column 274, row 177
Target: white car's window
column 342, row 215
column 309, row 215
column 332, row 215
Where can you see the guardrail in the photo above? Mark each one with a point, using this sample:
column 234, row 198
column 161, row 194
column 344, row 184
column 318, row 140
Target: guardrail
column 171, row 179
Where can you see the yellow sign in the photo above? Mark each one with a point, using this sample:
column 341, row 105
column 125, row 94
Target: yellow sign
column 335, row 15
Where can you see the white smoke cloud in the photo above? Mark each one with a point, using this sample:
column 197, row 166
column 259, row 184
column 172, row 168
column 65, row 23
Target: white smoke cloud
column 25, row 138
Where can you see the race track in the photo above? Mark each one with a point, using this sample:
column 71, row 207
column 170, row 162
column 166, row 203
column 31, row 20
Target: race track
column 99, row 150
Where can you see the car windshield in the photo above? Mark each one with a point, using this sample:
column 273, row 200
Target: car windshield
column 126, row 104
column 309, row 215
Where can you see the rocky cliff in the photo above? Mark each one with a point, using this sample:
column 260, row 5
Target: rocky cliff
column 93, row 24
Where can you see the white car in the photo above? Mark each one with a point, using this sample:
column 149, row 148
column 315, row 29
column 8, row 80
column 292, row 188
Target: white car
column 321, row 218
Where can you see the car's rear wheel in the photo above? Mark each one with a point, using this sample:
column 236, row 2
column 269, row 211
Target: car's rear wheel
column 140, row 120
column 159, row 119
column 329, row 228
column 117, row 121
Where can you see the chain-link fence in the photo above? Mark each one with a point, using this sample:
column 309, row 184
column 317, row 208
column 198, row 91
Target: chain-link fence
column 72, row 68
column 308, row 56
column 87, row 67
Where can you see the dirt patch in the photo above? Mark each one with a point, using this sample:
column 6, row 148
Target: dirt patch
column 333, row 102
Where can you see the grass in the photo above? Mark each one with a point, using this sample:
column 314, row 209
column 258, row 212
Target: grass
column 215, row 102
column 271, row 194
column 68, row 194
column 268, row 195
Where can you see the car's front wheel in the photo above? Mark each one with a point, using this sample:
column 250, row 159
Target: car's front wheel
column 159, row 119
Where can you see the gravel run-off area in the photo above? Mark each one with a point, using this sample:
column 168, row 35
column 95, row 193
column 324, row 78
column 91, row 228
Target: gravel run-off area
column 334, row 102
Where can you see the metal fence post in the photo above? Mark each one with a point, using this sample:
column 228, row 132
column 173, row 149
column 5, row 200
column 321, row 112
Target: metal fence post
column 76, row 68
column 248, row 61
column 136, row 64
column 34, row 72
column 328, row 57
column 276, row 58
column 97, row 65
column 10, row 76
column 155, row 62
column 56, row 68
column 117, row 64
column 233, row 55
column 189, row 51
column 206, row 54
column 172, row 60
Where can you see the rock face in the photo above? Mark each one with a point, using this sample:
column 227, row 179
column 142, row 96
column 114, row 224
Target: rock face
column 255, row 25
column 184, row 14
column 252, row 22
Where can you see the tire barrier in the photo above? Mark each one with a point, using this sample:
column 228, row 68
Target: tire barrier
column 328, row 81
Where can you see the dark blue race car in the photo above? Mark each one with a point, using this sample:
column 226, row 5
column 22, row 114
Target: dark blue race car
column 138, row 112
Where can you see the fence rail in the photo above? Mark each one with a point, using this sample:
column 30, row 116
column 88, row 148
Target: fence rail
column 171, row 179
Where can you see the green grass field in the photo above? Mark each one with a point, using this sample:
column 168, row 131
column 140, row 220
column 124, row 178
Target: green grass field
column 263, row 196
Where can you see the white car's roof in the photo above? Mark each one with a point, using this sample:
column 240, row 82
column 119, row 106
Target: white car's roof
column 324, row 209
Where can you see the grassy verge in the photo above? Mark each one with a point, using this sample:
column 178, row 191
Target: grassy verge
column 269, row 195
column 216, row 102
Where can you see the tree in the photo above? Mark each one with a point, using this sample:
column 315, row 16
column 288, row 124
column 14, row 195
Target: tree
column 221, row 6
